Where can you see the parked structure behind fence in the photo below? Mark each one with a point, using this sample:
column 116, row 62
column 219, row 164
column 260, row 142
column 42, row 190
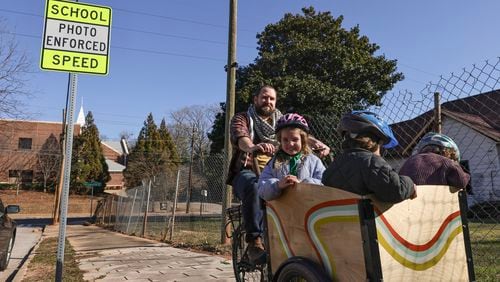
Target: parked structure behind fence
column 469, row 103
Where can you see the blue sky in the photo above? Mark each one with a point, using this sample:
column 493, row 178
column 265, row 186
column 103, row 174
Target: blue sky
column 165, row 55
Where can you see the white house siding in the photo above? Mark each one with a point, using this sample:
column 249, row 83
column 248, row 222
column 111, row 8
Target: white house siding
column 483, row 156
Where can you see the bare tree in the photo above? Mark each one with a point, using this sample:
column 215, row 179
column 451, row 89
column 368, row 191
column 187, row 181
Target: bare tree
column 191, row 125
column 49, row 160
column 21, row 168
column 189, row 131
column 14, row 65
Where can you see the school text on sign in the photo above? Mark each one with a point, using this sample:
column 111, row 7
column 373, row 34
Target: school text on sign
column 76, row 37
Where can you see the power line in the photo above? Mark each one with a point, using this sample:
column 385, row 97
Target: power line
column 179, row 36
column 185, row 37
column 190, row 38
column 93, row 112
column 146, row 31
column 169, row 53
column 138, row 49
column 21, row 13
column 417, row 69
column 178, row 19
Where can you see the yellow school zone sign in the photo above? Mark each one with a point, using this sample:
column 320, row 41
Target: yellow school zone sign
column 76, row 37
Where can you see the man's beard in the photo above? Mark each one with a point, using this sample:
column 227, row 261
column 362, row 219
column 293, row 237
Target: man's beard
column 264, row 113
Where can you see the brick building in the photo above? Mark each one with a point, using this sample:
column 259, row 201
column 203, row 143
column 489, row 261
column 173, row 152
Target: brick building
column 20, row 144
column 114, row 154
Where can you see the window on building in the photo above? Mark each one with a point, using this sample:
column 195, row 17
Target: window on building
column 25, row 176
column 25, row 143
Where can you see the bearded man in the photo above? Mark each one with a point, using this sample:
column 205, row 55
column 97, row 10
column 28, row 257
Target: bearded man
column 253, row 134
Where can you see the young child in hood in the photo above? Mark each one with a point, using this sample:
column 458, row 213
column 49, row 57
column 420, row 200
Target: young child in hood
column 360, row 169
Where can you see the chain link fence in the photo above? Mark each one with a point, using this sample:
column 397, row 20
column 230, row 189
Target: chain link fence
column 469, row 107
column 468, row 104
column 470, row 114
column 148, row 210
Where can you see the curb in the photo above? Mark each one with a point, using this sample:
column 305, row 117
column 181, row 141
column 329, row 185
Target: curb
column 21, row 271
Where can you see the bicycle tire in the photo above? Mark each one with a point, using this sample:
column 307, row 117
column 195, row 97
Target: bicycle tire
column 302, row 271
column 244, row 270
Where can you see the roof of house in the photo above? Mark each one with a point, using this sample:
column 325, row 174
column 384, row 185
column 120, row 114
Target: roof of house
column 479, row 112
column 113, row 145
column 30, row 121
column 114, row 166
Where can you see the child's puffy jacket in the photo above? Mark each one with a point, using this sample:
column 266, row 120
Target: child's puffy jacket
column 362, row 172
column 310, row 170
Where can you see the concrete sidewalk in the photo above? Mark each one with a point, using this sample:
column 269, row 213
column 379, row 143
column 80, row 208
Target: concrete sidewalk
column 109, row 256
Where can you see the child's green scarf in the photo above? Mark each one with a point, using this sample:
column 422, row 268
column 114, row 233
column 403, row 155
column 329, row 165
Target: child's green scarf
column 282, row 157
column 293, row 163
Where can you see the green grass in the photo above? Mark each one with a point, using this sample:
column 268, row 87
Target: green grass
column 485, row 244
column 43, row 265
column 197, row 233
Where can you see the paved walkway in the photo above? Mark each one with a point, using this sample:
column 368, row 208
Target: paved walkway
column 26, row 239
column 109, row 256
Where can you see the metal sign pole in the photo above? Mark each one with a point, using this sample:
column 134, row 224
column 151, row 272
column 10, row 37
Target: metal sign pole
column 67, row 170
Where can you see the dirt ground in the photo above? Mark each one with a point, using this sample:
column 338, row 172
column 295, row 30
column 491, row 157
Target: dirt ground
column 40, row 203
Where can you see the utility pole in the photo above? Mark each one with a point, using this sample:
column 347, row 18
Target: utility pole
column 437, row 112
column 231, row 89
column 58, row 188
column 190, row 184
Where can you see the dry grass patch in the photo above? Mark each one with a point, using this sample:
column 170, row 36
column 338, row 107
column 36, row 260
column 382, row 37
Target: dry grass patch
column 43, row 265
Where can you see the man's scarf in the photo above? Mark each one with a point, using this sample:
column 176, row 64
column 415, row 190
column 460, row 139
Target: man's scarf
column 264, row 130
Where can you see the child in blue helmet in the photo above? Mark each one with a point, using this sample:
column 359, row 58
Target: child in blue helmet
column 436, row 162
column 294, row 161
column 359, row 168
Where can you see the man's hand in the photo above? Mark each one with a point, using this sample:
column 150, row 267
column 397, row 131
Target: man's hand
column 287, row 181
column 264, row 148
column 319, row 147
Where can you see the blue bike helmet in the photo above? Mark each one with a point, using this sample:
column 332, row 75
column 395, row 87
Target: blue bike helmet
column 357, row 122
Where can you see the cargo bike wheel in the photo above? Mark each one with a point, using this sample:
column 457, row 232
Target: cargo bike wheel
column 244, row 269
column 299, row 269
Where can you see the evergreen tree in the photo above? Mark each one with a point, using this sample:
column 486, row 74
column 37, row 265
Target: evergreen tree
column 168, row 144
column 317, row 67
column 154, row 153
column 88, row 162
column 216, row 135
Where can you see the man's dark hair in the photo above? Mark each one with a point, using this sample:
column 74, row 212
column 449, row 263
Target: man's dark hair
column 256, row 93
